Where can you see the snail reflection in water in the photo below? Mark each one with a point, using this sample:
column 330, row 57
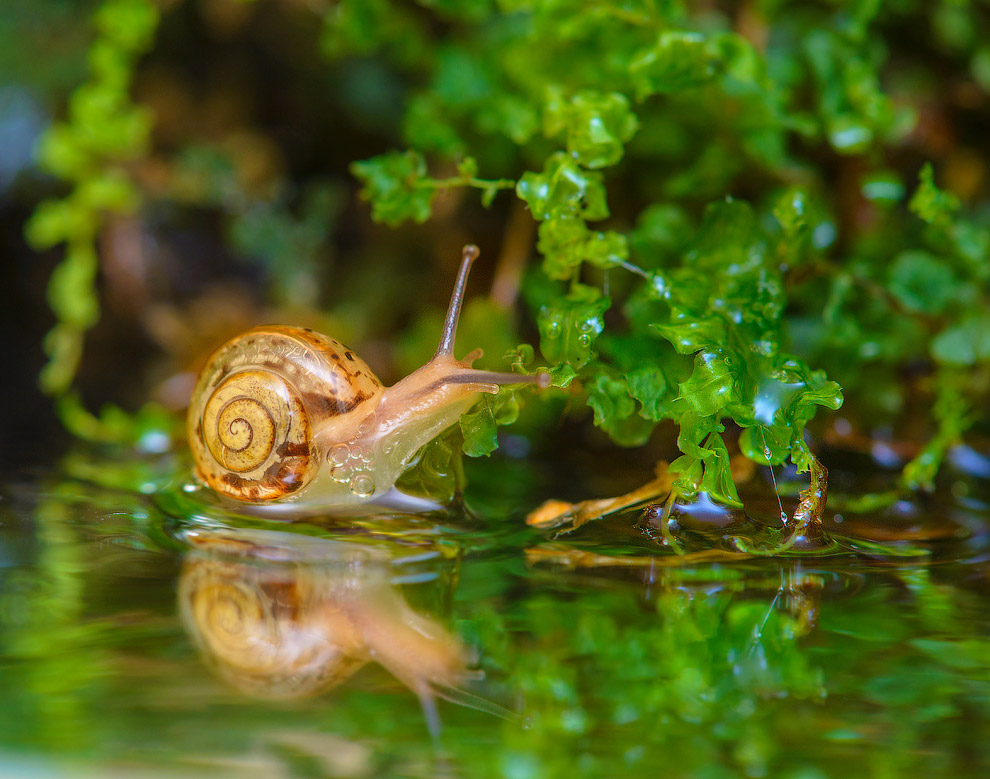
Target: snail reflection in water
column 276, row 624
column 288, row 420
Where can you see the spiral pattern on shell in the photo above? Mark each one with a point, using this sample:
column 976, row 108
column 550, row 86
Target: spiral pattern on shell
column 256, row 433
column 258, row 403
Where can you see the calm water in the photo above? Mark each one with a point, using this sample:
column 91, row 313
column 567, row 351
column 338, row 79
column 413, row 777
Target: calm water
column 144, row 634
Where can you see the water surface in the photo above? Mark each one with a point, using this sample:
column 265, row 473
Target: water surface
column 141, row 636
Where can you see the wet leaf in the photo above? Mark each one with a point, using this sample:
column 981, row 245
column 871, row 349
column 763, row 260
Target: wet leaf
column 595, row 125
column 563, row 189
column 570, row 327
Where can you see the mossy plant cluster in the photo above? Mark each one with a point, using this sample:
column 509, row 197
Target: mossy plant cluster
column 733, row 212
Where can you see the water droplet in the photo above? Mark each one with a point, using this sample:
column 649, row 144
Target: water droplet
column 339, row 454
column 585, row 340
column 553, row 330
column 766, row 452
column 783, row 517
column 362, row 485
column 366, row 424
column 586, row 327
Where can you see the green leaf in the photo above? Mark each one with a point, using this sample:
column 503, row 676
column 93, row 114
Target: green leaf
column 679, row 61
column 71, row 292
column 397, row 187
column 661, row 229
column 63, row 345
column 61, row 154
column 766, row 445
column 562, row 375
column 563, row 189
column 54, row 221
column 791, row 210
column 609, row 396
column 521, row 357
column 129, row 24
column 615, row 409
column 596, row 125
column 566, row 242
column 111, row 191
column 690, row 472
column 717, row 480
column 427, row 126
column 711, row 387
column 479, row 429
column 570, row 326
column 688, row 334
column 648, row 385
column 964, row 343
column 922, row 282
column 930, row 203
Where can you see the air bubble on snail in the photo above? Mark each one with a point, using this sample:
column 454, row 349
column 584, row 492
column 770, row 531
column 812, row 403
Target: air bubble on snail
column 279, row 413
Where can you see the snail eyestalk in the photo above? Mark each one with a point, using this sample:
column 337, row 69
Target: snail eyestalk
column 449, row 334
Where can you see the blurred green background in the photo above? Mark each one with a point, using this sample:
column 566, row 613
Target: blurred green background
column 205, row 166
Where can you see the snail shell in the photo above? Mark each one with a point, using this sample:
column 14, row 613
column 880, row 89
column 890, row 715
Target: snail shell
column 263, row 403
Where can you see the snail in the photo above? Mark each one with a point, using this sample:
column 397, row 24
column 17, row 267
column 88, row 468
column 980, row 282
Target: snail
column 287, row 420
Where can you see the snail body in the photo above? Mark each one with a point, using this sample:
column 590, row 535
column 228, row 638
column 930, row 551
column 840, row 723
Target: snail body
column 287, row 419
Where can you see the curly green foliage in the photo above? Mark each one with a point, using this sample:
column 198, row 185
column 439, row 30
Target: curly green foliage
column 103, row 132
column 721, row 309
column 622, row 123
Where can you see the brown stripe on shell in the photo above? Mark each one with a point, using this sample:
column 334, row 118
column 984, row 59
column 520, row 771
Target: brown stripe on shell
column 287, row 476
column 235, row 481
column 329, row 406
column 293, row 449
column 283, row 477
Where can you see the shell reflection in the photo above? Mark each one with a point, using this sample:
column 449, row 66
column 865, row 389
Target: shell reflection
column 283, row 616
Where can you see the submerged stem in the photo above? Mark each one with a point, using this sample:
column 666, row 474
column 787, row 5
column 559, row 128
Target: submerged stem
column 807, row 517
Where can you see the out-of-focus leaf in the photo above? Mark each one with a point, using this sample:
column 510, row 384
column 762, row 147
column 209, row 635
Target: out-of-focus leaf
column 394, row 185
column 677, row 62
column 595, row 125
column 964, row 343
column 929, row 202
column 922, row 282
